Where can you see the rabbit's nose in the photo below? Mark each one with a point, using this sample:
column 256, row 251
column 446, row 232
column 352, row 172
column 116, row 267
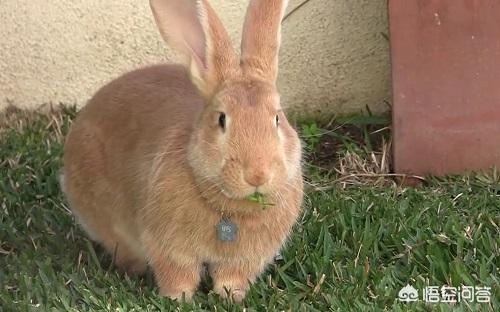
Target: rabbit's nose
column 256, row 177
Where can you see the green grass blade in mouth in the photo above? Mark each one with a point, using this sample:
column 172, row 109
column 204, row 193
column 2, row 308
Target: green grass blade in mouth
column 260, row 199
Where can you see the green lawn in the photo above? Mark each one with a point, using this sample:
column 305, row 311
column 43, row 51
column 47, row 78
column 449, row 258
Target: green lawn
column 360, row 240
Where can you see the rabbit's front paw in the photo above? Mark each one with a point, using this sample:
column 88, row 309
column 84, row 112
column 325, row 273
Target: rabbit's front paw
column 233, row 281
column 235, row 293
column 178, row 282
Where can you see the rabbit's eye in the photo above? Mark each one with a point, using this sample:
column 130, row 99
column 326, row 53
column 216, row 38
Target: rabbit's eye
column 277, row 120
column 222, row 121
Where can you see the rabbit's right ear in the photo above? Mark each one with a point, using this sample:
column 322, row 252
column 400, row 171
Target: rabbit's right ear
column 192, row 29
column 262, row 37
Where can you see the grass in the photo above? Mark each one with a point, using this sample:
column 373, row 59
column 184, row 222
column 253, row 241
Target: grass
column 362, row 236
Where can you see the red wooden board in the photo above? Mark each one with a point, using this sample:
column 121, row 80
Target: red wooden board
column 446, row 85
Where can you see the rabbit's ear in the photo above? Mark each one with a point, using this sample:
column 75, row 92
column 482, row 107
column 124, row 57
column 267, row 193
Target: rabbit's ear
column 262, row 36
column 192, row 29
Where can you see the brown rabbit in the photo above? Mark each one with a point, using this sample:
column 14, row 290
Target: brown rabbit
column 161, row 161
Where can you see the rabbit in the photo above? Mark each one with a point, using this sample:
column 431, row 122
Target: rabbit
column 160, row 163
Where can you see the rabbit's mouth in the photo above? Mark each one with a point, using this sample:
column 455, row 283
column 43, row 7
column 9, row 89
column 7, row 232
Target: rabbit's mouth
column 232, row 195
column 251, row 193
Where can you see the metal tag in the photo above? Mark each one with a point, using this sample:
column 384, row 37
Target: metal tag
column 227, row 230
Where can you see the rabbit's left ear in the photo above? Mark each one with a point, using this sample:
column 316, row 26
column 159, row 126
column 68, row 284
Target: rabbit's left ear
column 262, row 37
column 193, row 29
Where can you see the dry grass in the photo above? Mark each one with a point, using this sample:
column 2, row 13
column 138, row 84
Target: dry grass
column 365, row 166
column 20, row 120
column 371, row 169
column 374, row 168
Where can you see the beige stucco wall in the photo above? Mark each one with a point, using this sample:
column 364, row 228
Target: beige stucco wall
column 334, row 56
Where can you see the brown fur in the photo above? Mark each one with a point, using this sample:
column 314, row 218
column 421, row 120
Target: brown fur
column 149, row 173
